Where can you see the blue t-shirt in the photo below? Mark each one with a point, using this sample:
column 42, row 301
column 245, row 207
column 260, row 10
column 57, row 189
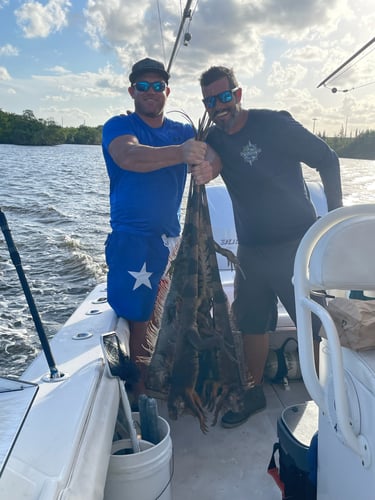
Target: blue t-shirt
column 148, row 202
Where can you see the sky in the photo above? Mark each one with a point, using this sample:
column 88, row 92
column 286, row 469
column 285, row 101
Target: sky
column 69, row 60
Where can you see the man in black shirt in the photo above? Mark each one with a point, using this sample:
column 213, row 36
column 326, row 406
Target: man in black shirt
column 261, row 153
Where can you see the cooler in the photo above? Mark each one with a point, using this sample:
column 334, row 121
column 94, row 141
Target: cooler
column 295, row 429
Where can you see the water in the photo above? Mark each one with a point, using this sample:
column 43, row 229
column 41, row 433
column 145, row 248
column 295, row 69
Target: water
column 56, row 203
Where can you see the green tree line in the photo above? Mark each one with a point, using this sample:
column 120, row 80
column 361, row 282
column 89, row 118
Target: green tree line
column 361, row 146
column 27, row 130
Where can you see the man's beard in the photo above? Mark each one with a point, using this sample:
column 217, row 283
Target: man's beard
column 142, row 110
column 227, row 124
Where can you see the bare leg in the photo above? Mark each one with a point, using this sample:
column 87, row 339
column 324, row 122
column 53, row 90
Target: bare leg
column 137, row 343
column 256, row 352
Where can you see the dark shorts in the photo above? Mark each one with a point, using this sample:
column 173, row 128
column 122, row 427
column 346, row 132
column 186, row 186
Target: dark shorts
column 135, row 266
column 266, row 275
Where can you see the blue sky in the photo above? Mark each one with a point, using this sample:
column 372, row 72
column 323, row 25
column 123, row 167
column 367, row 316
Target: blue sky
column 68, row 60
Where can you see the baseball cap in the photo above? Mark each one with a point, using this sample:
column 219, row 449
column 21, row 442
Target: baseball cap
column 145, row 65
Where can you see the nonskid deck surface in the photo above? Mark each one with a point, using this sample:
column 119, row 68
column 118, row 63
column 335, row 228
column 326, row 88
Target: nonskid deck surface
column 229, row 463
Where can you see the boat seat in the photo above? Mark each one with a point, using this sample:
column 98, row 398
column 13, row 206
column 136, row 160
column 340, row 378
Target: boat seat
column 337, row 252
column 344, row 255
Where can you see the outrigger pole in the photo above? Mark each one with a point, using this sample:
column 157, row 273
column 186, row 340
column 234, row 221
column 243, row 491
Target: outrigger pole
column 186, row 15
column 347, row 62
column 16, row 259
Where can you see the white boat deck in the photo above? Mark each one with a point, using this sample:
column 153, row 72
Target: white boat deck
column 229, row 463
column 224, row 463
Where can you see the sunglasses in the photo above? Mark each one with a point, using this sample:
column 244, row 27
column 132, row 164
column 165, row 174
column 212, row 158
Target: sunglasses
column 224, row 97
column 145, row 86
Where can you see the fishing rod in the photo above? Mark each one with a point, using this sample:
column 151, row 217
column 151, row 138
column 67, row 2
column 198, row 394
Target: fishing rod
column 186, row 15
column 346, row 62
column 55, row 374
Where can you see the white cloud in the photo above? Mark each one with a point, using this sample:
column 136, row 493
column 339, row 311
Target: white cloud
column 304, row 54
column 4, row 75
column 230, row 33
column 59, row 70
column 110, row 23
column 83, row 85
column 286, row 76
column 56, row 98
column 37, row 20
column 8, row 50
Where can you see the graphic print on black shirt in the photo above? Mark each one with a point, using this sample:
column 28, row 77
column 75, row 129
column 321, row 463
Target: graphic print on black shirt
column 250, row 153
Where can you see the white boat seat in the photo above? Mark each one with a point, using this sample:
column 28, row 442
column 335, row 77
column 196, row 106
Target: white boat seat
column 337, row 252
column 343, row 258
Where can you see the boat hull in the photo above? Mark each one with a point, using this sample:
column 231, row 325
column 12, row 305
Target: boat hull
column 64, row 446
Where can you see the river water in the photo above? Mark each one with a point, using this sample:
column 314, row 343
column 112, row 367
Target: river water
column 56, row 203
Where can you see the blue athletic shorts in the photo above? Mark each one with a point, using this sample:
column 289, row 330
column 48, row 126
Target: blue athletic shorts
column 135, row 266
column 267, row 272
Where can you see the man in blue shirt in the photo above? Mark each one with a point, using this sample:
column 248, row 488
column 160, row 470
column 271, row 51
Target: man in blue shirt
column 146, row 155
column 261, row 152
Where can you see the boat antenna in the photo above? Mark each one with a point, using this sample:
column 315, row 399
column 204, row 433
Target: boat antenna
column 55, row 374
column 186, row 15
column 346, row 62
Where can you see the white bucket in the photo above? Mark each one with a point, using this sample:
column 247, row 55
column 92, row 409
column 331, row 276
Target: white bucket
column 141, row 476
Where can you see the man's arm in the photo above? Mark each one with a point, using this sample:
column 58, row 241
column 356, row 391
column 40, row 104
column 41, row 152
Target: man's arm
column 129, row 154
column 315, row 153
column 331, row 179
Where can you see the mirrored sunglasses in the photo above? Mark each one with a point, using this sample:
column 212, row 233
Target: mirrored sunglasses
column 224, row 97
column 145, row 86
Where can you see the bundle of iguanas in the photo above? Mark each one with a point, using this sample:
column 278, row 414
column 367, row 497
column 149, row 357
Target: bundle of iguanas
column 197, row 362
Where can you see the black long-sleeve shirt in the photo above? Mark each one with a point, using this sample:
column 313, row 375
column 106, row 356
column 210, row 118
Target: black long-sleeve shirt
column 263, row 173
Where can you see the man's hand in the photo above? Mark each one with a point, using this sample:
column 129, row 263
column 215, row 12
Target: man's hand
column 203, row 173
column 193, row 151
column 207, row 169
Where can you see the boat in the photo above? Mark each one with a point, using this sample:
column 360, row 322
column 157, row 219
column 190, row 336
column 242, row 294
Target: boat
column 58, row 432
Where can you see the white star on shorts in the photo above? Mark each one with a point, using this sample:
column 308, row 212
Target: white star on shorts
column 141, row 277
